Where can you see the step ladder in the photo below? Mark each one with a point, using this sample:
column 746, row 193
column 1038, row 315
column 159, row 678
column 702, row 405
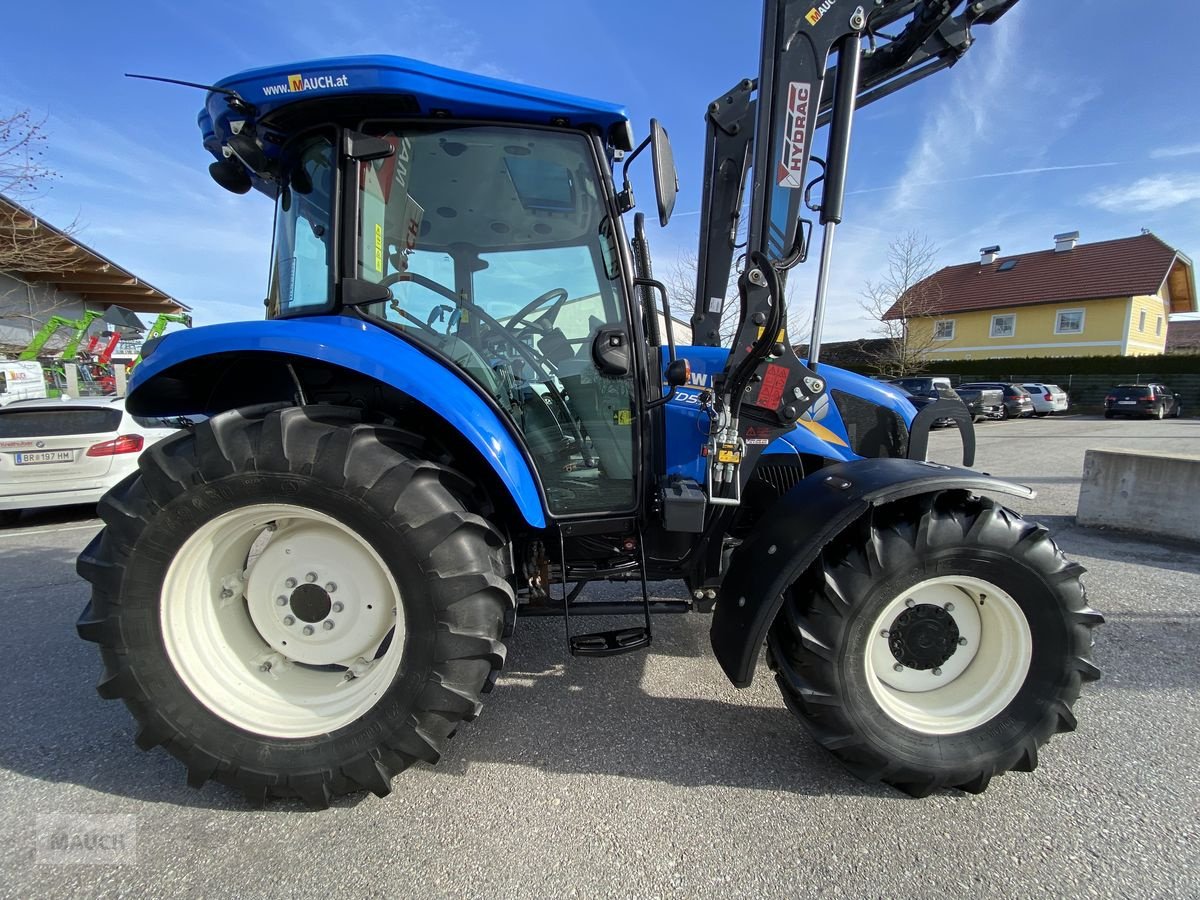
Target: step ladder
column 606, row 643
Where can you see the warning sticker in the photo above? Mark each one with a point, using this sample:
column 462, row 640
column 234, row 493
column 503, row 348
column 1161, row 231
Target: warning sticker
column 773, row 383
column 795, row 136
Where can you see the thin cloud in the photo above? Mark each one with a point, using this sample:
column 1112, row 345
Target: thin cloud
column 1176, row 151
column 1148, row 194
column 1013, row 173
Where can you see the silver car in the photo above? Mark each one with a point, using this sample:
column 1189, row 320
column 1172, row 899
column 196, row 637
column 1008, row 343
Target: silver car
column 63, row 452
column 1047, row 398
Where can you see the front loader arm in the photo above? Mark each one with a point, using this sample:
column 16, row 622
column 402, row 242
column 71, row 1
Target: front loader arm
column 765, row 387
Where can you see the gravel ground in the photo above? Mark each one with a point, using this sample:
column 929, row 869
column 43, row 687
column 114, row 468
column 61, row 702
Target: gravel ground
column 646, row 775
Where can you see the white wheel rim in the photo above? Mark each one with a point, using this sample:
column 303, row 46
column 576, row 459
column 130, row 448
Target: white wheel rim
column 981, row 675
column 229, row 637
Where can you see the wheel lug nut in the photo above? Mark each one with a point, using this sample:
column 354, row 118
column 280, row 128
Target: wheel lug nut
column 330, row 587
column 281, row 600
column 226, row 593
column 949, row 607
column 308, row 629
column 289, row 621
column 327, row 625
column 962, row 642
column 910, row 602
column 338, row 607
column 898, row 667
column 885, row 633
column 265, row 667
column 937, row 671
column 290, row 583
column 310, row 577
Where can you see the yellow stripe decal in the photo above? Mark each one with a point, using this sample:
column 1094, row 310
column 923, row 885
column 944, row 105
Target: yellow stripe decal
column 823, row 433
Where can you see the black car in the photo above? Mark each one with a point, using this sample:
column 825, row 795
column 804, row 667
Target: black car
column 1018, row 402
column 1150, row 400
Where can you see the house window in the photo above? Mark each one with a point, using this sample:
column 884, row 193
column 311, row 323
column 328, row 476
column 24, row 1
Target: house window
column 1004, row 326
column 1069, row 321
column 1142, row 321
column 943, row 330
column 1158, row 327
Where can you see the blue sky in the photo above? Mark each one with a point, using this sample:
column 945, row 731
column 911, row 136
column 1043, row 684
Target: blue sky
column 1064, row 116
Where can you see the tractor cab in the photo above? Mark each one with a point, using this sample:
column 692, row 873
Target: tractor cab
column 473, row 217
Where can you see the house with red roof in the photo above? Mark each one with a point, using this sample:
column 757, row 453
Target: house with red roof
column 1111, row 298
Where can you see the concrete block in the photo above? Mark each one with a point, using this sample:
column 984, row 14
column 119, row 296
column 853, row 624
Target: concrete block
column 1152, row 493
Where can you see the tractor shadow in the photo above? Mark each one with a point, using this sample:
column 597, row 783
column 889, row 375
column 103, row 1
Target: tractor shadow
column 666, row 716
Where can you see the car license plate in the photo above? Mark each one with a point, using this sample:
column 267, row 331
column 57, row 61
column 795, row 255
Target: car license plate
column 1127, row 402
column 45, row 456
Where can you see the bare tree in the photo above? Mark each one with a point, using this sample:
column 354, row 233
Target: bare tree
column 680, row 281
column 904, row 293
column 26, row 244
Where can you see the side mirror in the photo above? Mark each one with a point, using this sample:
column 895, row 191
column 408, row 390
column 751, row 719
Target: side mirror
column 666, row 181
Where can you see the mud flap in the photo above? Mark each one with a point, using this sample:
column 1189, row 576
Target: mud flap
column 791, row 534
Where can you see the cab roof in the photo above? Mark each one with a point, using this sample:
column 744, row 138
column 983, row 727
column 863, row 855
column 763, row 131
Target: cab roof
column 417, row 88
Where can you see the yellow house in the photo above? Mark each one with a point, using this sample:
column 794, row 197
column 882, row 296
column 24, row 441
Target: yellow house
column 1112, row 298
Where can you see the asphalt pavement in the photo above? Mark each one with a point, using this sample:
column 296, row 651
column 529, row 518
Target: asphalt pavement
column 639, row 776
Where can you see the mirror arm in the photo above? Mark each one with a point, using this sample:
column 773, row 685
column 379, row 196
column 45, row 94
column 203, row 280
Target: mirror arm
column 625, row 199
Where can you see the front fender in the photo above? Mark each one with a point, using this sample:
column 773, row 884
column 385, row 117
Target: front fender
column 359, row 347
column 789, row 537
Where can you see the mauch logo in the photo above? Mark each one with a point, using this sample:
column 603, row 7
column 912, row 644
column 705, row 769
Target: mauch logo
column 815, row 14
column 795, row 136
column 297, row 83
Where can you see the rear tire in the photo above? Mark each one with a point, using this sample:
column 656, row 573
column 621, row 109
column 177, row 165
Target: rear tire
column 406, row 592
column 9, row 517
column 1009, row 663
column 1160, row 412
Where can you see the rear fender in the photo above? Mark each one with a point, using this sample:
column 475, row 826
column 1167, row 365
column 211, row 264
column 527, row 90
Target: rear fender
column 790, row 536
column 161, row 385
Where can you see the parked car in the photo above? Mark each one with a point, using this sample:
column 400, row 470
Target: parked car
column 1151, row 400
column 984, row 403
column 1047, row 398
column 62, row 452
column 1017, row 401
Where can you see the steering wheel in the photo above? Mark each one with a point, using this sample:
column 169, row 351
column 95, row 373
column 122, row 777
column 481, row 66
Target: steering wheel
column 548, row 316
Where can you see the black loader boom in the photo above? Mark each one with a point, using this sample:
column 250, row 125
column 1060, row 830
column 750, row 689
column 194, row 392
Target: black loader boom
column 764, row 129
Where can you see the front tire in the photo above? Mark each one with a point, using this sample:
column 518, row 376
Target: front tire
column 293, row 604
column 939, row 646
column 9, row 517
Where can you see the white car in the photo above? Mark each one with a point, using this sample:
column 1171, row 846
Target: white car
column 62, row 452
column 1047, row 398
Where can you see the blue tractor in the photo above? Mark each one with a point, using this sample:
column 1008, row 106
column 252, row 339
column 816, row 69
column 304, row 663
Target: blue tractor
column 465, row 403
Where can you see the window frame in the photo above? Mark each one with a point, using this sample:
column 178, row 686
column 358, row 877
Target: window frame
column 1142, row 321
column 1059, row 313
column 336, row 211
column 1158, row 327
column 992, row 327
column 953, row 329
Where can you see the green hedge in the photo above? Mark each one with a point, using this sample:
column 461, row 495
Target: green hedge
column 1024, row 368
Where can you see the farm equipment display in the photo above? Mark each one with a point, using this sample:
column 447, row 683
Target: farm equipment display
column 461, row 409
column 78, row 328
